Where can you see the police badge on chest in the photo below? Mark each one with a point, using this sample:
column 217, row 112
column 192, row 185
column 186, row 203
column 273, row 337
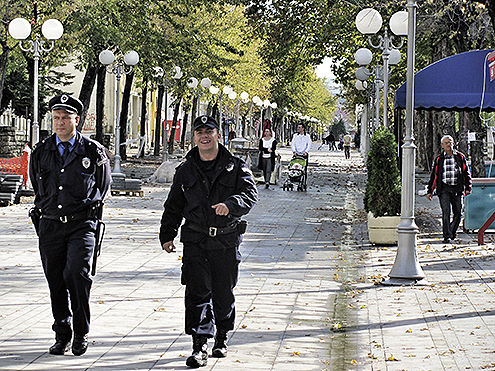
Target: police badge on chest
column 86, row 162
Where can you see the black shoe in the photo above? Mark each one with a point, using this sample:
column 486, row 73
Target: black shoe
column 80, row 345
column 60, row 347
column 220, row 347
column 445, row 240
column 267, row 185
column 199, row 357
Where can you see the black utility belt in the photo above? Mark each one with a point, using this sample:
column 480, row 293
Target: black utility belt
column 82, row 215
column 237, row 227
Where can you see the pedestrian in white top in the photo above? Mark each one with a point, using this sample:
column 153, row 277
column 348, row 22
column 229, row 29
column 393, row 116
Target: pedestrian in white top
column 301, row 142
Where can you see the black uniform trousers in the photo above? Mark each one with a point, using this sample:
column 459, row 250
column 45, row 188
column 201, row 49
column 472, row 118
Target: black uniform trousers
column 448, row 198
column 210, row 277
column 66, row 250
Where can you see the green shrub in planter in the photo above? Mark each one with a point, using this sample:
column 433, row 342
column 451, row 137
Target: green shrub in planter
column 383, row 190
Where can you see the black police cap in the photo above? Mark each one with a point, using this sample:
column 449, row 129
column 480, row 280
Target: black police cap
column 67, row 103
column 205, row 121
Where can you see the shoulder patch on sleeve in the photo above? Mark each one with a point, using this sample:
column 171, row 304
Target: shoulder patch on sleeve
column 246, row 170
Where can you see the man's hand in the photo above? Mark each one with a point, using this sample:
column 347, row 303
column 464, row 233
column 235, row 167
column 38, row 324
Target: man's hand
column 429, row 196
column 221, row 209
column 169, row 246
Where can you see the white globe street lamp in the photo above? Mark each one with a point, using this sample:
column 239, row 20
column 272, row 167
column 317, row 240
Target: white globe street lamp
column 206, row 83
column 52, row 30
column 363, row 56
column 118, row 66
column 369, row 22
column 244, row 96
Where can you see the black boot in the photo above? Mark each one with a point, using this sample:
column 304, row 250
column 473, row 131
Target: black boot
column 80, row 345
column 60, row 347
column 199, row 357
column 220, row 347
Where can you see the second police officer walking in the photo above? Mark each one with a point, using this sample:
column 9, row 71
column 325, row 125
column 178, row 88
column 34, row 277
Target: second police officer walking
column 70, row 175
column 211, row 190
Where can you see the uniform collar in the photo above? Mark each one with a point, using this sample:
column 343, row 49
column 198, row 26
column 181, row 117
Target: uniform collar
column 72, row 140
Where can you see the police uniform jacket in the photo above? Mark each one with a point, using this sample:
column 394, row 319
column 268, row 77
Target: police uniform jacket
column 70, row 187
column 192, row 195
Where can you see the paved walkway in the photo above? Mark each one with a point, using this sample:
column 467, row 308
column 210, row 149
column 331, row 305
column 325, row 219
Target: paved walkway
column 308, row 296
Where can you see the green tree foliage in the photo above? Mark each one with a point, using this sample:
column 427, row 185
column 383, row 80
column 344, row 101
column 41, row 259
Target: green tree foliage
column 383, row 189
column 294, row 35
column 338, row 128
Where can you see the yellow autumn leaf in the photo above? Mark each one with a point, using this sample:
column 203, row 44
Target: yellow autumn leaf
column 392, row 358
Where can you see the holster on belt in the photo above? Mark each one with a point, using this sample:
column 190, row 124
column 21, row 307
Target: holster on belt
column 234, row 227
column 35, row 215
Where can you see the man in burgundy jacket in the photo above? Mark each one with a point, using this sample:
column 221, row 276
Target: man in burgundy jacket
column 451, row 178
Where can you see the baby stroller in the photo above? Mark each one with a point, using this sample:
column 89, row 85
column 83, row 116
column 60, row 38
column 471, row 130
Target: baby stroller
column 298, row 174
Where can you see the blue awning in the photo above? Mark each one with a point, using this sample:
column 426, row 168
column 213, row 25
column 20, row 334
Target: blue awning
column 455, row 83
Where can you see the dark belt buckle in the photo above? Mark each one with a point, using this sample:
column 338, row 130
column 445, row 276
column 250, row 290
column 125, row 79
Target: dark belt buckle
column 212, row 231
column 63, row 219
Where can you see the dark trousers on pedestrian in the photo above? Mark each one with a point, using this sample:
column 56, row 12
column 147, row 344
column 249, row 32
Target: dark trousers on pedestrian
column 210, row 277
column 267, row 168
column 347, row 151
column 66, row 250
column 449, row 198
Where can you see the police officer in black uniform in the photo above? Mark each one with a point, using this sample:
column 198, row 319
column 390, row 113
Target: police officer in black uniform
column 211, row 191
column 70, row 175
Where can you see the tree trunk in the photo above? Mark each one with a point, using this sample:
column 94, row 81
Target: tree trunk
column 171, row 140
column 124, row 112
column 461, row 140
column 142, row 129
column 100, row 103
column 86, row 92
column 158, row 122
column 4, row 57
column 184, row 126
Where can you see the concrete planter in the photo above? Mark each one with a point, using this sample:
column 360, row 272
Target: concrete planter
column 383, row 230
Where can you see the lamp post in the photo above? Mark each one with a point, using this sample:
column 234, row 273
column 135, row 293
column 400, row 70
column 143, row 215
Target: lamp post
column 266, row 103
column 175, row 74
column 118, row 66
column 52, row 30
column 406, row 268
column 365, row 118
column 369, row 22
column 232, row 96
column 244, row 99
column 205, row 84
column 225, row 91
column 214, row 91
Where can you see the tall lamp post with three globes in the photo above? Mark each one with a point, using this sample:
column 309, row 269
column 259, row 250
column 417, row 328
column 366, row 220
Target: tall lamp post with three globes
column 52, row 30
column 118, row 66
column 369, row 22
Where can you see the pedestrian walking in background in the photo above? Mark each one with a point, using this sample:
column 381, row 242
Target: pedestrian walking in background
column 324, row 141
column 331, row 142
column 212, row 190
column 70, row 176
column 267, row 147
column 450, row 177
column 347, row 145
